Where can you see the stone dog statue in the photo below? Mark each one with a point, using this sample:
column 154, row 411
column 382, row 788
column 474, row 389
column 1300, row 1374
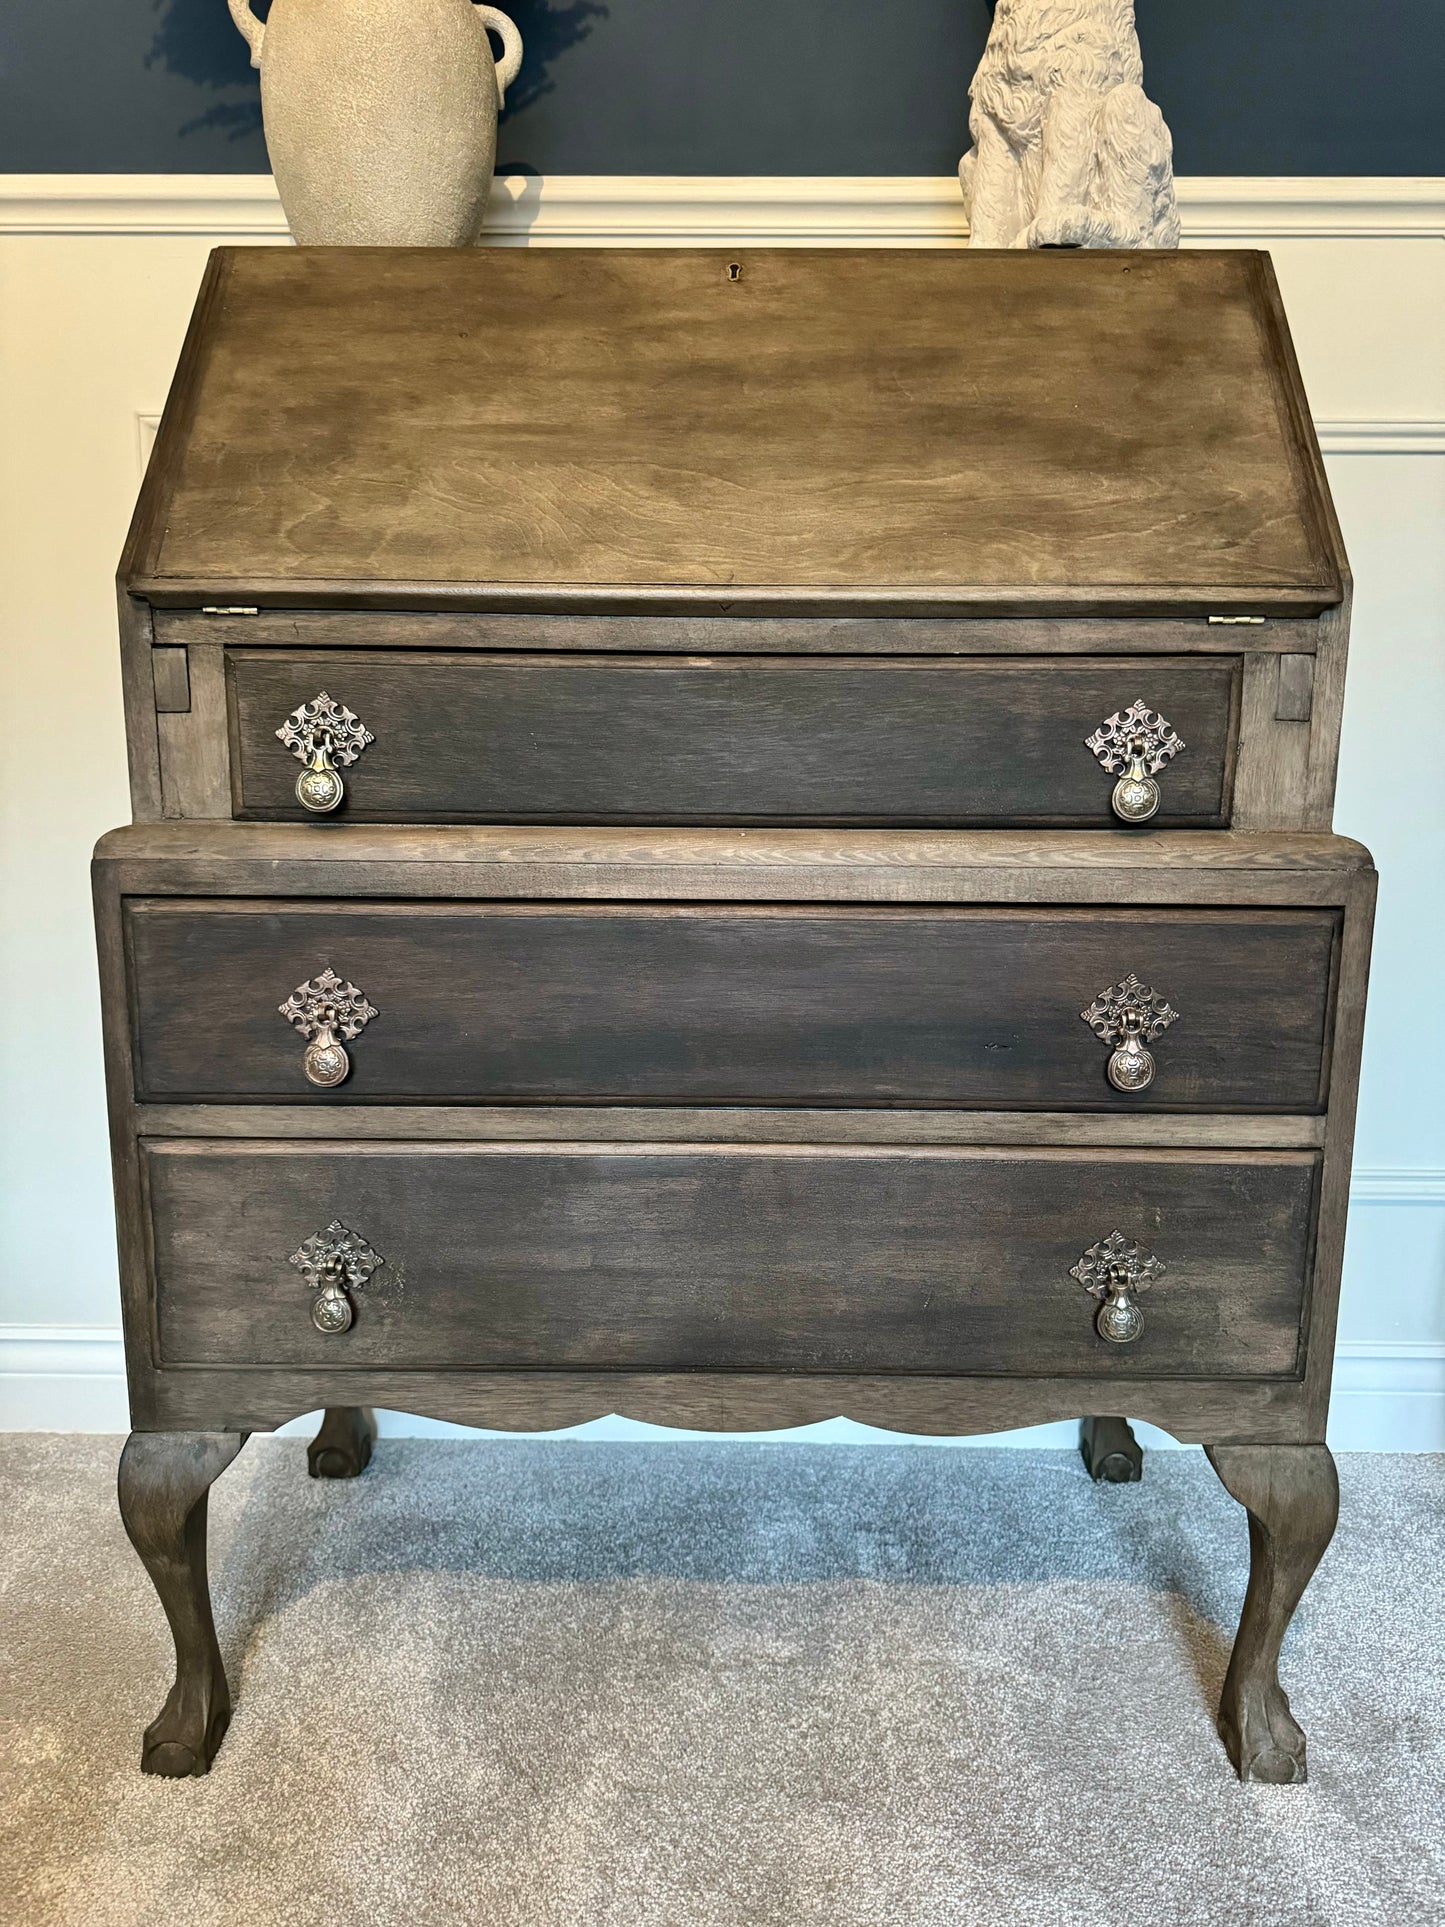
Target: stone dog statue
column 1068, row 150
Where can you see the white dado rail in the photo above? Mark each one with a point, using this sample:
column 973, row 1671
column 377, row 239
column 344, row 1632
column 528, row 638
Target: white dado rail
column 97, row 275
column 674, row 210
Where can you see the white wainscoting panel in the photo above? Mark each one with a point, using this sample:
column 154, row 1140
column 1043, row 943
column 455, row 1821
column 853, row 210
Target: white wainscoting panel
column 1387, row 1397
column 97, row 277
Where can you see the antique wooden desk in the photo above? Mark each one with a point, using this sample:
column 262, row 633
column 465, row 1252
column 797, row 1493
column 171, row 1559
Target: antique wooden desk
column 734, row 840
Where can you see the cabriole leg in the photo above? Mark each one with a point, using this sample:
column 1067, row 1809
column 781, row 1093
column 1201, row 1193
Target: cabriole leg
column 1292, row 1496
column 1110, row 1450
column 164, row 1482
column 342, row 1448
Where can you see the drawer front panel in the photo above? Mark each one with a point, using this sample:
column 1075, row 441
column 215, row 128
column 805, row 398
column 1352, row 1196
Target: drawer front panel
column 605, row 739
column 771, row 1259
column 966, row 1007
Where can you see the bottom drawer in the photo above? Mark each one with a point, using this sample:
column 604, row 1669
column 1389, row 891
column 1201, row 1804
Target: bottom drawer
column 729, row 1258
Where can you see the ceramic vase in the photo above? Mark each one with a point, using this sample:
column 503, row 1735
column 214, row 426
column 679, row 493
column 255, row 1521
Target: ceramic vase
column 381, row 115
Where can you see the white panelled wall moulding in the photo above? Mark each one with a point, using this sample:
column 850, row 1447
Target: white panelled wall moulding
column 1381, row 438
column 854, row 210
column 71, row 1378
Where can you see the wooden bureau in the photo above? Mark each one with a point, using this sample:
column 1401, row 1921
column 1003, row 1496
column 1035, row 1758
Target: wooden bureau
column 734, row 839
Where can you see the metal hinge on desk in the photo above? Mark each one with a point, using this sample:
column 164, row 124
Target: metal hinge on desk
column 211, row 609
column 1231, row 622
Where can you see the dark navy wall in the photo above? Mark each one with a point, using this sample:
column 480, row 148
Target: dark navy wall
column 750, row 86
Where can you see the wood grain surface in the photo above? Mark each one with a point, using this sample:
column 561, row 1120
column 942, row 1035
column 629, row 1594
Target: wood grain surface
column 259, row 1398
column 738, row 1005
column 725, row 1124
column 351, row 862
column 704, row 634
column 578, row 739
column 837, row 429
column 787, row 1259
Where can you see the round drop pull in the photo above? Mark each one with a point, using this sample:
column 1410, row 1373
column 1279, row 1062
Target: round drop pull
column 1136, row 794
column 1119, row 1318
column 334, row 1263
column 1115, row 1271
column 326, row 738
column 1134, row 744
column 331, row 1308
column 325, row 1010
column 324, row 1060
column 1131, row 1066
column 1129, row 1016
column 319, row 787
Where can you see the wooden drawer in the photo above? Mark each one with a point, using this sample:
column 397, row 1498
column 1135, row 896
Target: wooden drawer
column 796, row 1004
column 762, row 739
column 767, row 1259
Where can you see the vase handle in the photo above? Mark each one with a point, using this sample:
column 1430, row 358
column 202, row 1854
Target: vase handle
column 505, row 31
column 252, row 30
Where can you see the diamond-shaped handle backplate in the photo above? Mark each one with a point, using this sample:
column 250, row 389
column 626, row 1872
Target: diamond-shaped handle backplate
column 327, row 738
column 1134, row 744
column 1129, row 1015
column 325, row 1010
column 1112, row 1271
column 1137, row 732
column 1129, row 1008
column 334, row 1262
column 348, row 735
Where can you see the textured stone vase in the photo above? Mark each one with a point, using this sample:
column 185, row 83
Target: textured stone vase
column 381, row 115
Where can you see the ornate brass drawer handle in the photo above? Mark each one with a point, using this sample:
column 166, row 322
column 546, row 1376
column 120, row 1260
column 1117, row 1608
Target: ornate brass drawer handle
column 1129, row 1015
column 1113, row 1271
column 1134, row 744
column 325, row 1010
column 334, row 1262
column 327, row 738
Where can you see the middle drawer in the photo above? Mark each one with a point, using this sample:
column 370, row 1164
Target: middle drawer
column 973, row 1007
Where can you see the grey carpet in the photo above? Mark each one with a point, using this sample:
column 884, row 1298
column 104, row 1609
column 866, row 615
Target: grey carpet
column 558, row 1685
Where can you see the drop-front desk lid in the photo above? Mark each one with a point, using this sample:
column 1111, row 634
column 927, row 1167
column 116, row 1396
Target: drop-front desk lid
column 832, row 430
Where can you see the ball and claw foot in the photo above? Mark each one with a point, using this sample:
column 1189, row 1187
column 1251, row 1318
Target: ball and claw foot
column 1110, row 1451
column 1261, row 1736
column 183, row 1741
column 342, row 1448
column 1292, row 1497
column 163, row 1485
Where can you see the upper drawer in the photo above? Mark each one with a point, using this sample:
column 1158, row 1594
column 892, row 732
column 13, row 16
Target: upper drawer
column 972, row 1007
column 756, row 739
